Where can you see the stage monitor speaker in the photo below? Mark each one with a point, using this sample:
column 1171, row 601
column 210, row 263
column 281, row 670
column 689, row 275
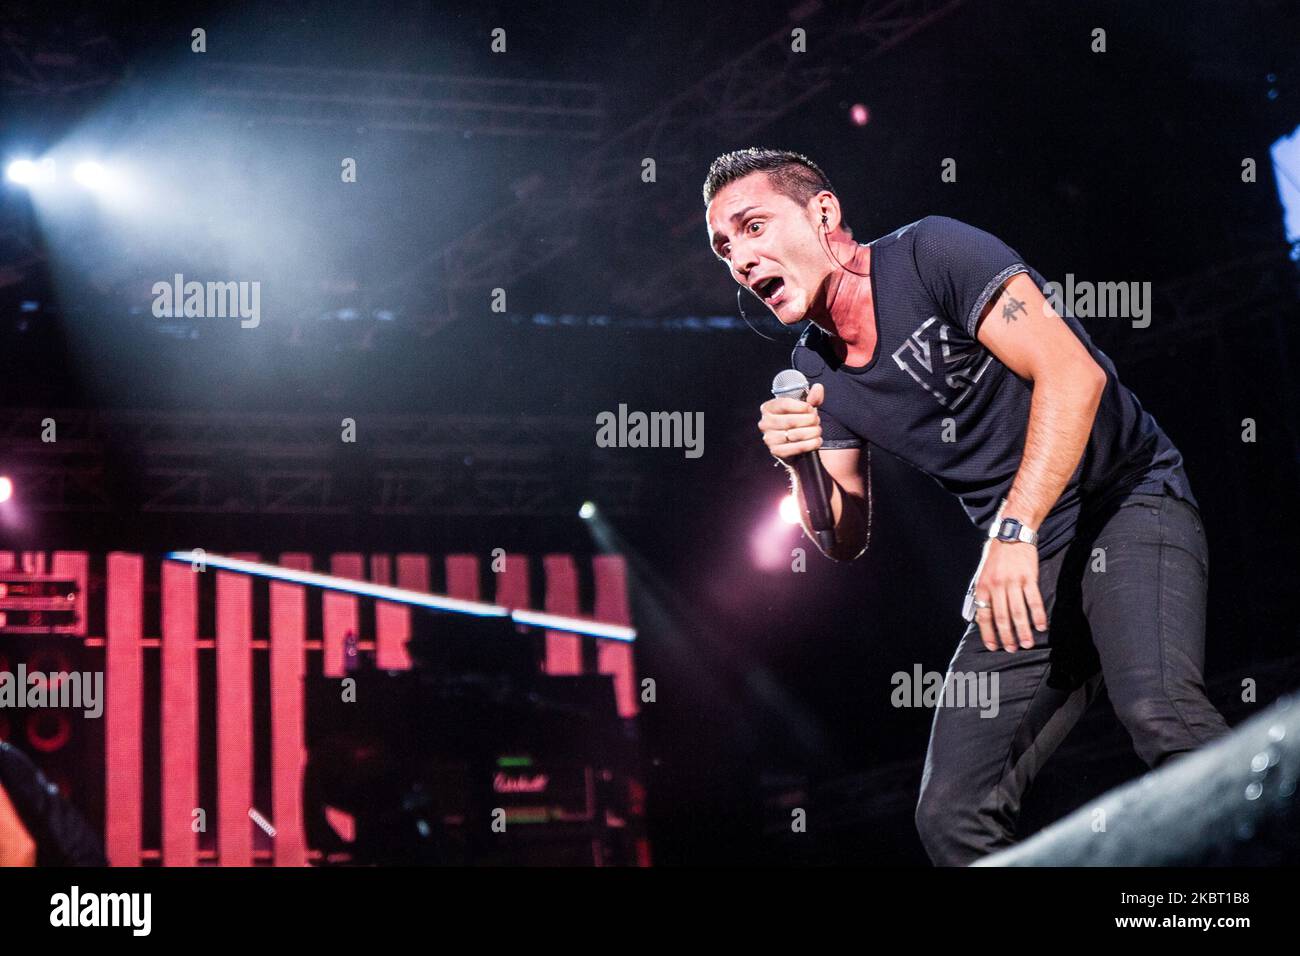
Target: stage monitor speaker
column 1230, row 803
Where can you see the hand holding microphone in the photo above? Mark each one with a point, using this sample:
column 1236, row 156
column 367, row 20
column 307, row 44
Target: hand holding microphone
column 792, row 432
column 790, row 424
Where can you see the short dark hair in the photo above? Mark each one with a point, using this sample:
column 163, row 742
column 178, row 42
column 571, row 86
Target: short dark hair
column 791, row 174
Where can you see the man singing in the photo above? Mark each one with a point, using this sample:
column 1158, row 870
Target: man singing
column 936, row 344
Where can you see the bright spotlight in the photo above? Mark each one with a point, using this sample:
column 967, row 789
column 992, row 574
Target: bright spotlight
column 30, row 172
column 789, row 509
column 6, row 489
column 90, row 174
column 587, row 511
column 22, row 171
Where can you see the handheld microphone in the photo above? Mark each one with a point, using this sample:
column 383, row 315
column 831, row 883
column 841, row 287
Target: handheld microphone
column 808, row 466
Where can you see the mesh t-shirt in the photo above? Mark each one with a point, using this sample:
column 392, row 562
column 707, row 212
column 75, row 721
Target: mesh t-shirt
column 930, row 281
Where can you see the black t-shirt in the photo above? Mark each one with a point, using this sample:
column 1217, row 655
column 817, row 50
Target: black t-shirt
column 930, row 281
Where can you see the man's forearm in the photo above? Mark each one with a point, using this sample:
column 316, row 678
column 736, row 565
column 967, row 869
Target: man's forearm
column 851, row 519
column 1061, row 415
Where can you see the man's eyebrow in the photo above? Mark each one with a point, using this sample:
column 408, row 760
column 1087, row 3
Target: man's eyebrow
column 734, row 217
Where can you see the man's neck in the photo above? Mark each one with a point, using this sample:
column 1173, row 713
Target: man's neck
column 850, row 315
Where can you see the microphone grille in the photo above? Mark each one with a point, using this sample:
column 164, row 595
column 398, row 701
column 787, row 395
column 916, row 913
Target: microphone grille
column 790, row 383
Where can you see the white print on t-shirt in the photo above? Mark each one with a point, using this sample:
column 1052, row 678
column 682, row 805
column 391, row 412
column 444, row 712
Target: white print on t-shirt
column 960, row 367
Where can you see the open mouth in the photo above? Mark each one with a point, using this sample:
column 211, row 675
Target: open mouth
column 771, row 290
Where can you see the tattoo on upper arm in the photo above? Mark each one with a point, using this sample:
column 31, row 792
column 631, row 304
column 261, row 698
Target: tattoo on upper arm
column 1010, row 306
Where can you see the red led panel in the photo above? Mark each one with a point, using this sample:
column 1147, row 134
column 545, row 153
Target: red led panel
column 615, row 657
column 234, row 716
column 123, row 714
column 392, row 621
column 339, row 613
column 462, row 577
column 512, row 582
column 563, row 651
column 412, row 573
column 180, row 713
column 288, row 604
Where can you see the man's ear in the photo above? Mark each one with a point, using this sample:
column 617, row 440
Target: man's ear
column 827, row 205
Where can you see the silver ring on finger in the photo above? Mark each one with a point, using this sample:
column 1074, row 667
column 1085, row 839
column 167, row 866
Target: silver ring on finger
column 983, row 605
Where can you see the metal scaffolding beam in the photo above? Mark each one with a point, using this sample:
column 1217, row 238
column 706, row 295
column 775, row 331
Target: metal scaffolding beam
column 220, row 463
column 751, row 91
column 411, row 102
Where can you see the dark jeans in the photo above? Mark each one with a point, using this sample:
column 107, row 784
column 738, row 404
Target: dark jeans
column 1139, row 625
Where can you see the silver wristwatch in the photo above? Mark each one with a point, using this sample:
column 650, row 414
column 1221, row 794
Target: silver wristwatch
column 1011, row 529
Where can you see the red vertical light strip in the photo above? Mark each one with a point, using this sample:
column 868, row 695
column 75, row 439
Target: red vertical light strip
column 413, row 574
column 615, row 657
column 339, row 613
column 180, row 714
column 123, row 715
column 288, row 735
column 512, row 582
column 462, row 577
column 234, row 716
column 392, row 621
column 563, row 651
